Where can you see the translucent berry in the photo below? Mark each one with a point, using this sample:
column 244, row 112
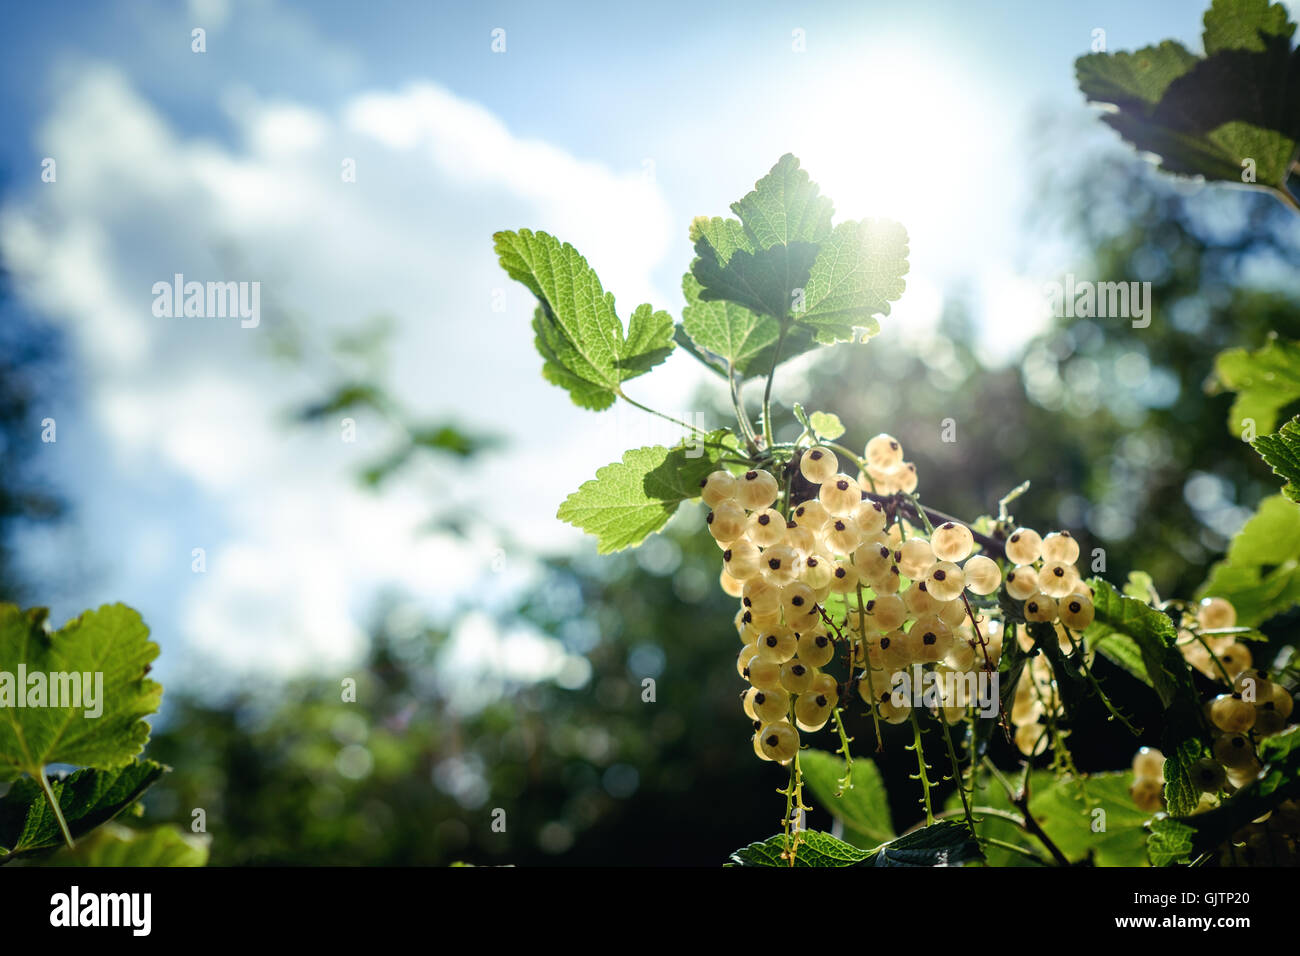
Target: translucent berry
column 815, row 649
column 816, row 570
column 982, row 575
column 779, row 564
column 1056, row 579
column 741, row 559
column 952, row 613
column 730, row 586
column 1061, row 547
column 779, row 741
column 915, row 557
column 764, row 674
column 883, row 452
column 1215, row 613
column 777, row 646
column 1031, row 739
column 811, row 711
column 1207, row 776
column 1024, row 546
column 844, row 577
column 1235, row 658
column 799, row 604
column 842, row 536
column 765, row 528
column 1022, row 583
column 818, row 464
column 1076, row 611
column 1040, row 608
column 1231, row 714
column 1147, row 794
column 1234, row 751
column 840, row 495
column 811, row 514
column 756, row 489
column 929, row 639
column 945, row 581
column 799, row 539
column 770, row 705
column 952, row 542
column 726, row 522
column 919, row 600
column 870, row 517
column 746, row 655
column 904, row 477
column 718, row 487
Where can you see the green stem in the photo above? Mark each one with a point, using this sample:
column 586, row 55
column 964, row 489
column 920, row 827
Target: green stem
column 957, row 773
column 920, row 764
column 1028, row 854
column 746, row 429
column 845, row 782
column 767, row 391
column 668, row 418
column 54, row 805
column 1083, row 660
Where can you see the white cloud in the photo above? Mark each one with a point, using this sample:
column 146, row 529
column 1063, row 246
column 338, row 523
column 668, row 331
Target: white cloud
column 191, row 408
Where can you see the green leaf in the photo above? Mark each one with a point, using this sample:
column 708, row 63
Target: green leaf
column 577, row 331
column 1282, row 452
column 1261, row 574
column 826, row 425
column 1181, row 794
column 112, row 646
column 116, row 845
column 945, row 843
column 1206, row 115
column 815, row 849
column 762, row 281
column 785, row 207
column 1140, row 585
column 88, row 798
column 1266, row 381
column 858, row 272
column 1149, row 630
column 737, row 336
column 1170, row 842
column 629, row 500
column 1067, row 812
column 864, row 807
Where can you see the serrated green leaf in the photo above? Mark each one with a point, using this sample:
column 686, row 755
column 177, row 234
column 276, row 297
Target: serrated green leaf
column 1140, row 585
column 814, row 849
column 629, row 500
column 1067, row 812
column 1266, row 381
column 762, row 281
column 1181, row 794
column 1170, row 842
column 116, row 845
column 858, row 271
column 1261, row 574
column 945, row 843
column 1206, row 115
column 1282, row 452
column 738, row 336
column 785, row 207
column 577, row 330
column 87, row 797
column 1151, row 631
column 864, row 807
column 112, row 646
column 826, row 425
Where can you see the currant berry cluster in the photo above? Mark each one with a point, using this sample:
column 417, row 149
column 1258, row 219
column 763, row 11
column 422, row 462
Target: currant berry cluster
column 1253, row 707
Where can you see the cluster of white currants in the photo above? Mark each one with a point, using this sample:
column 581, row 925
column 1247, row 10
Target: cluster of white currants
column 1254, row 707
column 1046, row 579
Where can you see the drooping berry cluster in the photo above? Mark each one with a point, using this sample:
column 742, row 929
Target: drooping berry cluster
column 1253, row 707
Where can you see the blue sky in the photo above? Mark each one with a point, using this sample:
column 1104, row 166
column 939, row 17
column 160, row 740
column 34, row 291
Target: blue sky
column 608, row 125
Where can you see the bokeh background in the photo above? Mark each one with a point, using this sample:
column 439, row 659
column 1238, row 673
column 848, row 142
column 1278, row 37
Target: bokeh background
column 498, row 661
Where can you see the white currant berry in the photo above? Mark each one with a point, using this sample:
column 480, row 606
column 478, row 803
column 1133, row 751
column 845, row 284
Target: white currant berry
column 961, row 656
column 799, row 539
column 1234, row 751
column 780, row 741
column 796, row 676
column 765, row 528
column 730, row 585
column 815, row 649
column 1147, row 794
column 741, row 559
column 811, row 514
column 1076, row 610
column 818, row 464
column 726, row 522
column 952, row 542
column 1057, row 579
column 761, row 597
column 1031, row 739
column 1040, row 608
column 888, row 581
column 764, row 674
column 1215, row 613
column 758, row 747
column 1231, row 714
column 1267, row 720
column 770, row 705
column 982, row 575
column 929, row 639
column 886, row 612
column 1061, row 547
column 1022, row 583
column 747, row 702
column 872, row 558
column 844, row 577
column 890, row 652
column 811, row 711
column 840, row 496
column 1235, row 658
column 744, row 657
column 944, row 581
column 779, row 564
column 952, row 613
column 1149, row 763
column 718, row 487
column 777, row 646
column 904, row 477
column 915, row 557
column 870, row 516
column 799, row 605
column 883, row 452
column 892, row 713
column 816, row 570
column 756, row 489
column 842, row 536
column 1207, row 776
column 1024, row 546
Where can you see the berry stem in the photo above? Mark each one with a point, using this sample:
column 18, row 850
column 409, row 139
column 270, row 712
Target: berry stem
column 920, row 764
column 668, row 418
column 1015, row 848
column 866, row 666
column 958, row 776
column 845, row 782
column 1020, row 800
column 767, row 391
column 54, row 805
column 742, row 418
column 1087, row 671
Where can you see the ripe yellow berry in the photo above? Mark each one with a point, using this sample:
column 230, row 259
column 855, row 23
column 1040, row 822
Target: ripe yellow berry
column 1060, row 547
column 726, row 522
column 756, row 489
column 952, row 542
column 1024, row 546
column 1231, row 714
column 1040, row 608
column 929, row 639
column 811, row 514
column 844, row 577
column 886, row 612
column 765, row 528
column 779, row 564
column 1234, row 751
column 1148, row 794
column 818, row 464
column 1215, row 613
column 915, row 557
column 1076, row 611
column 842, row 536
column 1058, row 579
column 1235, row 658
column 718, row 487
column 982, row 575
column 777, row 646
column 779, row 741
column 944, row 581
column 1022, row 583
column 840, row 496
column 730, row 586
column 764, row 674
column 815, row 649
column 1031, row 739
column 883, row 452
column 799, row 605
column 870, row 517
column 811, row 711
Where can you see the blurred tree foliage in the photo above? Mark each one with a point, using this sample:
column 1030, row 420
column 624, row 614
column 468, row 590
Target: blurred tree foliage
column 1113, row 425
